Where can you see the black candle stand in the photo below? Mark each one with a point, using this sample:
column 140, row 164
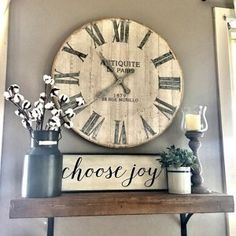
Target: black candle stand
column 196, row 179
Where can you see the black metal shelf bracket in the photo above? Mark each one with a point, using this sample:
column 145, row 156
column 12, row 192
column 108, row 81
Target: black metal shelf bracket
column 50, row 230
column 184, row 218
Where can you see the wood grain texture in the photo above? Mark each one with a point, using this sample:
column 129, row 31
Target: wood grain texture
column 120, row 203
column 134, row 111
column 99, row 172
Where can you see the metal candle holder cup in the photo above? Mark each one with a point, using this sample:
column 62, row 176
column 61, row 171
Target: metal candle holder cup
column 194, row 124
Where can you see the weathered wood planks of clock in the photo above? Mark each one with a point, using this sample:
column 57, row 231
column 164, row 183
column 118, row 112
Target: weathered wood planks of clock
column 128, row 76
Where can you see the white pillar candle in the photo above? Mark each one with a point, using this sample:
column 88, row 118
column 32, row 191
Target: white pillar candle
column 193, row 122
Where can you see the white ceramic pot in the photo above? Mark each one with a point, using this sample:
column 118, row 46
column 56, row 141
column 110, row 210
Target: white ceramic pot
column 179, row 180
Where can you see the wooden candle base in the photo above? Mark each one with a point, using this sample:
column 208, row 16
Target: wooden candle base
column 196, row 179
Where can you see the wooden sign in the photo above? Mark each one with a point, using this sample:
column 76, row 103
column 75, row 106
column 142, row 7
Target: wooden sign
column 82, row 172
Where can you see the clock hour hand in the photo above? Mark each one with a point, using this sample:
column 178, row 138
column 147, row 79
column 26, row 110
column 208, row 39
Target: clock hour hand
column 106, row 90
column 103, row 92
column 109, row 66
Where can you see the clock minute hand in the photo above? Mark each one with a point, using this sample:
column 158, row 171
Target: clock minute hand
column 119, row 80
column 109, row 66
column 103, row 92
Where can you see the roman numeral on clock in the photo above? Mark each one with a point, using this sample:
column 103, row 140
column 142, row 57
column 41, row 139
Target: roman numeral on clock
column 162, row 59
column 120, row 133
column 73, row 78
column 93, row 125
column 172, row 83
column 145, row 39
column 147, row 128
column 95, row 34
column 121, row 31
column 165, row 108
column 72, row 51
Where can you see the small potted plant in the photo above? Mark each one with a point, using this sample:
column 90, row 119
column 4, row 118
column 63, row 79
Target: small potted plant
column 179, row 163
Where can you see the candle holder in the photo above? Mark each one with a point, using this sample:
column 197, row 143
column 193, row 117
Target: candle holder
column 194, row 124
column 196, row 178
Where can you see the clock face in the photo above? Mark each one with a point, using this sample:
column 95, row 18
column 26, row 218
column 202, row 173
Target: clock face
column 128, row 77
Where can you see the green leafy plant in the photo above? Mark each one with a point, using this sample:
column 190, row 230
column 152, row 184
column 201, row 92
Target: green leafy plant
column 177, row 157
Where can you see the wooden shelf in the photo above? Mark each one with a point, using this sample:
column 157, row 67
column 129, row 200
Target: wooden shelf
column 119, row 203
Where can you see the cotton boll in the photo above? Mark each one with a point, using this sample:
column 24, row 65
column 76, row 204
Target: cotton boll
column 26, row 105
column 68, row 125
column 80, row 101
column 54, row 122
column 48, row 79
column 19, row 113
column 64, row 98
column 69, row 113
column 26, row 124
column 7, row 95
column 14, row 88
column 36, row 113
column 49, row 105
column 42, row 97
column 56, row 112
column 18, row 98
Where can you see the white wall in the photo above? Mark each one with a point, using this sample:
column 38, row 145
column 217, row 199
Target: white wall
column 37, row 30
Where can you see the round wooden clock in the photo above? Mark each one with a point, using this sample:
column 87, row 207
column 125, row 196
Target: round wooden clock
column 128, row 76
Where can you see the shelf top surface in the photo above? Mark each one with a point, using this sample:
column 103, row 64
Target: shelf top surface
column 120, row 203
